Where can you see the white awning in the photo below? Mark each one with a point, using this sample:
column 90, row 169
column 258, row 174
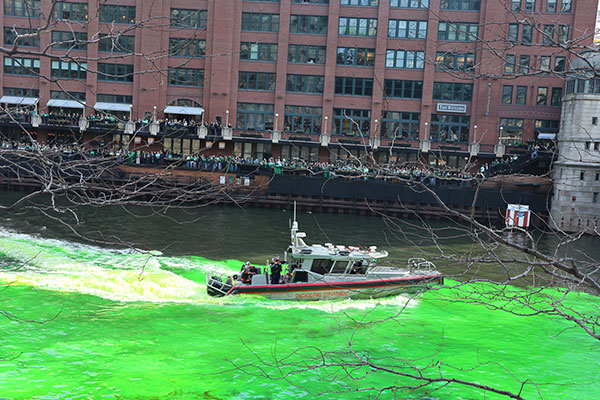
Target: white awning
column 184, row 110
column 547, row 136
column 113, row 107
column 65, row 103
column 26, row 101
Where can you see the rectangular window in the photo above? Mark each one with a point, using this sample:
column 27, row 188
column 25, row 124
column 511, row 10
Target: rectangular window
column 556, row 97
column 452, row 91
column 62, row 95
column 563, row 34
column 559, row 63
column 565, row 6
column 260, row 22
column 509, row 65
column 353, row 86
column 463, row 5
column 546, row 126
column 403, row 89
column 527, row 36
column 253, row 116
column 359, row 2
column 179, row 47
column 409, row 59
column 299, row 1
column 302, row 119
column 69, row 40
column 21, row 92
column 455, row 61
column 14, row 34
column 117, row 14
column 351, row 122
column 409, row 3
column 595, row 197
column 542, row 96
column 521, row 95
column 257, row 81
column 355, row 56
column 458, row 31
column 524, row 62
column 305, row 83
column 507, row 94
column 308, row 54
column 258, row 51
column 581, row 175
column 400, row 125
column 115, row 72
column 515, row 5
column 310, row 24
column 551, row 6
column 185, row 18
column 186, row 77
column 22, row 8
column 450, row 128
column 511, row 131
column 548, row 35
column 68, row 70
column 70, row 11
column 21, row 66
column 357, row 27
column 114, row 98
column 529, row 5
column 545, row 63
column 513, row 32
column 407, row 29
column 116, row 44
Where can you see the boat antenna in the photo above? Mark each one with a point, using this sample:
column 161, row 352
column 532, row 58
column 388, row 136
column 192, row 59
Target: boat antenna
column 294, row 229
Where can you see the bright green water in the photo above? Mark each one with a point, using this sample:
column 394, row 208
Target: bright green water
column 127, row 326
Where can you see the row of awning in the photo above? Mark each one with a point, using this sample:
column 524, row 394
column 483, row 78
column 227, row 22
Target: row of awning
column 100, row 106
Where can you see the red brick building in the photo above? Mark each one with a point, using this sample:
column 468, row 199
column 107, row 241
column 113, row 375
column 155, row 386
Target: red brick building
column 418, row 78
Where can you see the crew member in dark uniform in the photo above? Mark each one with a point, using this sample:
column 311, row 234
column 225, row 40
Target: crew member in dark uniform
column 275, row 270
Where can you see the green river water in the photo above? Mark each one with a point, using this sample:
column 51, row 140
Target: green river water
column 122, row 324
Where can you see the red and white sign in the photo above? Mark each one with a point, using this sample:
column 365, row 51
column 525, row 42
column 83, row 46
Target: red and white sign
column 517, row 215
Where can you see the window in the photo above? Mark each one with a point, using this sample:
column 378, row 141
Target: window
column 511, row 131
column 581, row 175
column 527, row 37
column 548, row 36
column 355, row 56
column 402, row 125
column 455, row 31
column 254, row 116
column 186, row 77
column 116, row 44
column 409, row 3
column 185, row 18
column 403, row 89
column 70, row 70
column 359, row 2
column 546, row 126
column 542, row 96
column 452, row 91
column 559, row 63
column 351, row 122
column 545, row 63
column 507, row 94
column 299, row 1
column 69, row 40
column 295, row 151
column 455, row 61
column 551, row 6
column 258, row 51
column 463, row 5
column 117, row 14
column 563, row 34
column 70, row 11
column 409, row 59
column 597, row 176
column 521, row 95
column 595, row 197
column 257, row 81
column 406, row 29
column 20, row 92
column 515, row 5
column 565, row 6
column 303, row 53
column 114, row 98
column 305, row 83
column 22, row 8
column 259, row 22
column 524, row 62
column 312, row 24
column 62, row 95
column 353, row 86
column 513, row 32
column 179, row 47
column 21, row 66
column 556, row 97
column 529, row 5
column 450, row 128
column 301, row 119
column 357, row 26
column 115, row 72
column 10, row 35
column 509, row 64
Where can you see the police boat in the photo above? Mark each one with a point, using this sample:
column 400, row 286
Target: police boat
column 327, row 272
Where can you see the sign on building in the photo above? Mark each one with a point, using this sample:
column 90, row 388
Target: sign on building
column 451, row 108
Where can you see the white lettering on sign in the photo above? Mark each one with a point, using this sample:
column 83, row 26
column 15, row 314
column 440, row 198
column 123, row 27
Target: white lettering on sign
column 452, row 108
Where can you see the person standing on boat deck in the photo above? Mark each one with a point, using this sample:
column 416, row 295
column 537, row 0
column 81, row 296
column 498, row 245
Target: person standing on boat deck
column 275, row 270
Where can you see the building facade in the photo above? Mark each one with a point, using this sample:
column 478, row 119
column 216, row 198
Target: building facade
column 403, row 80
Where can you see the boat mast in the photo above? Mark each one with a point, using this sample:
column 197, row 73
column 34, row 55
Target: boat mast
column 294, row 230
